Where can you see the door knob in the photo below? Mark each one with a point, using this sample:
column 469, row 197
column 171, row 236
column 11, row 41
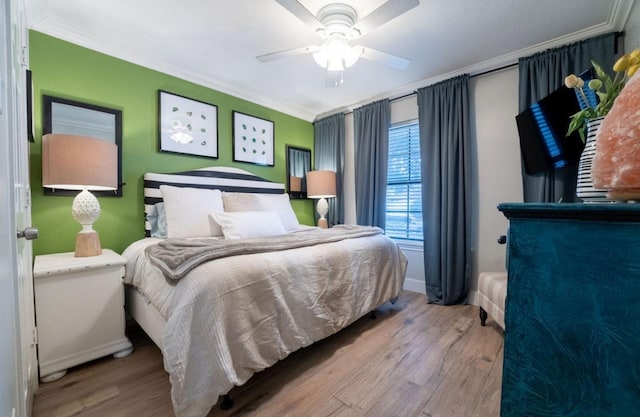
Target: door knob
column 29, row 233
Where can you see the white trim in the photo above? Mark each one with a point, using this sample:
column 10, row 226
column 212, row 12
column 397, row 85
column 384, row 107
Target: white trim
column 620, row 10
column 415, row 285
column 38, row 20
column 411, row 245
column 472, row 298
column 140, row 57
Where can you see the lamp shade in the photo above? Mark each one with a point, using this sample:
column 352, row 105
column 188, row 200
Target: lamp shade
column 295, row 184
column 72, row 162
column 321, row 184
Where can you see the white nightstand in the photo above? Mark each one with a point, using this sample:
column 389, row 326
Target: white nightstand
column 79, row 310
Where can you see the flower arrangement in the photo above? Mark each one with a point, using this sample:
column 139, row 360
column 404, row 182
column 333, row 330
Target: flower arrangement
column 606, row 89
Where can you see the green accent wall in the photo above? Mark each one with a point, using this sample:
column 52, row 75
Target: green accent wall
column 62, row 69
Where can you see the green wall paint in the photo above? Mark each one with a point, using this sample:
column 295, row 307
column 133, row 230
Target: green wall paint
column 62, row 69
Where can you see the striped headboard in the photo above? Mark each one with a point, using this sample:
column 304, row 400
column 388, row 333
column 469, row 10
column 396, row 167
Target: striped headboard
column 215, row 178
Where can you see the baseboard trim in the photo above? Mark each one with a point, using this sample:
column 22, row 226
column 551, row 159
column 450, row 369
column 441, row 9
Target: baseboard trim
column 415, row 285
column 472, row 298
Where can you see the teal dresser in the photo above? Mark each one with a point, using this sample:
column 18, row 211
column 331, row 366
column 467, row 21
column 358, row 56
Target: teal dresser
column 572, row 319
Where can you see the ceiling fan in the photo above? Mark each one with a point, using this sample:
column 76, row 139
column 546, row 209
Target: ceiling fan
column 337, row 24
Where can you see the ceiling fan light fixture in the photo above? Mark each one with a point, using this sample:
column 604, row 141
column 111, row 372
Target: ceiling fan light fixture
column 335, row 55
column 352, row 56
column 335, row 64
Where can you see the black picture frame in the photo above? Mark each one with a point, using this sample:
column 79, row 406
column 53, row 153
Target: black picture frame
column 253, row 139
column 187, row 126
column 297, row 169
column 80, row 128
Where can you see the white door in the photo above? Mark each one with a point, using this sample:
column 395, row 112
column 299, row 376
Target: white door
column 18, row 366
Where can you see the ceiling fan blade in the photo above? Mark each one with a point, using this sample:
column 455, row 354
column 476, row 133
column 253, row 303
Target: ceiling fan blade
column 387, row 11
column 298, row 10
column 287, row 53
column 393, row 61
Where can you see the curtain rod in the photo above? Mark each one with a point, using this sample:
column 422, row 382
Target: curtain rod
column 413, row 93
column 618, row 35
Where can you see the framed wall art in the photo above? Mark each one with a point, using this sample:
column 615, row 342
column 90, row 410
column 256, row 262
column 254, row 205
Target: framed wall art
column 252, row 139
column 187, row 126
column 72, row 117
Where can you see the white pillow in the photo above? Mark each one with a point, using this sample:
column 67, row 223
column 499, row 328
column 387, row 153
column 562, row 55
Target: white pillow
column 245, row 224
column 280, row 204
column 188, row 211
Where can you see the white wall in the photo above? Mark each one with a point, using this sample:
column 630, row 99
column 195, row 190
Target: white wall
column 349, row 172
column 632, row 29
column 496, row 163
column 495, row 170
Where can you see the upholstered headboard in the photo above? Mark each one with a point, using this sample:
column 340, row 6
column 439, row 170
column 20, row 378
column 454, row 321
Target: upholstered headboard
column 215, row 178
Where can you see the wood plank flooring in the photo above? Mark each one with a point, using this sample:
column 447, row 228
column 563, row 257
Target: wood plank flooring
column 414, row 360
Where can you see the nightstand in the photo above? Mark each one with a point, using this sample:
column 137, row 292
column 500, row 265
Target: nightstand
column 79, row 310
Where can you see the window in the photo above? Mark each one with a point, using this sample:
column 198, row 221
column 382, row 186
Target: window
column 404, row 196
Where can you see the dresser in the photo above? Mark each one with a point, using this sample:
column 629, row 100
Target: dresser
column 572, row 319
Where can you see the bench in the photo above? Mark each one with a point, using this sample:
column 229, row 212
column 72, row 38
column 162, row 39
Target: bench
column 492, row 290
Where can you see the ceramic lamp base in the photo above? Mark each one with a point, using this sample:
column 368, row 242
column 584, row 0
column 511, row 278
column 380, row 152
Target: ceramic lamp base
column 322, row 208
column 88, row 244
column 323, row 224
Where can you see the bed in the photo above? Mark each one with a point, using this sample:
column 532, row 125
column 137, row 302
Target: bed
column 281, row 286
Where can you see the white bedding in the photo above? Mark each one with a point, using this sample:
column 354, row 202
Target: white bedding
column 232, row 317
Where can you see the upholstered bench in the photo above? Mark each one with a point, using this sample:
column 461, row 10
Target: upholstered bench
column 492, row 290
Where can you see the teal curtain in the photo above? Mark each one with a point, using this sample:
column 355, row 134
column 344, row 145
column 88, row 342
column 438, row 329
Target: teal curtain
column 543, row 73
column 444, row 114
column 328, row 154
column 371, row 132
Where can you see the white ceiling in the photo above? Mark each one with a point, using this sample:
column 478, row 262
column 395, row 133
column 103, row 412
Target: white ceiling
column 214, row 42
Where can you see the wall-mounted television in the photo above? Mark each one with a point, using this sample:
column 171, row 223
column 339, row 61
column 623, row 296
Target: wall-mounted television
column 543, row 127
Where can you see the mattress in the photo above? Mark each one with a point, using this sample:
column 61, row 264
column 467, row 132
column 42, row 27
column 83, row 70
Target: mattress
column 232, row 317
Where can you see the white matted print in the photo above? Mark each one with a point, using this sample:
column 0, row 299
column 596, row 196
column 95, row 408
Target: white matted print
column 187, row 126
column 252, row 139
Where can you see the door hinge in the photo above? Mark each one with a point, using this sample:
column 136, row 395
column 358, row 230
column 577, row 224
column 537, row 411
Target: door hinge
column 35, row 336
column 23, row 57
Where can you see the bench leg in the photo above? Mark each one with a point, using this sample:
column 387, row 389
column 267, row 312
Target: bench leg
column 483, row 317
column 227, row 402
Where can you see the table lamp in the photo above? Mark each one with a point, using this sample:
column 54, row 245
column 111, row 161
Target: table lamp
column 322, row 185
column 72, row 162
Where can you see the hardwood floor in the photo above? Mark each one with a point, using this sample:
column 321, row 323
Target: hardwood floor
column 414, row 360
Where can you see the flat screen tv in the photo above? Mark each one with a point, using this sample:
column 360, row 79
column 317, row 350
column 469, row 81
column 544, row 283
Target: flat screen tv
column 543, row 127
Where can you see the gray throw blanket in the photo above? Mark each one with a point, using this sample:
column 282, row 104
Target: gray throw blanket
column 176, row 257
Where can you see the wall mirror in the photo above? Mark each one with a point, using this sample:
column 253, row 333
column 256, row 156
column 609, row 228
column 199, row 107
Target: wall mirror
column 298, row 164
column 76, row 118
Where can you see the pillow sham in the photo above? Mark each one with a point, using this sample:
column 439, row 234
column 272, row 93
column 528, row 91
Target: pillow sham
column 240, row 202
column 187, row 210
column 247, row 224
column 157, row 219
column 280, row 203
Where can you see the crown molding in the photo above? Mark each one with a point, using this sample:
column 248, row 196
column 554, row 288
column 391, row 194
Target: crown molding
column 127, row 53
column 38, row 20
column 620, row 10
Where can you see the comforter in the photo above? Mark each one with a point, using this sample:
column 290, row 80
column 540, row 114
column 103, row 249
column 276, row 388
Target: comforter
column 231, row 317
